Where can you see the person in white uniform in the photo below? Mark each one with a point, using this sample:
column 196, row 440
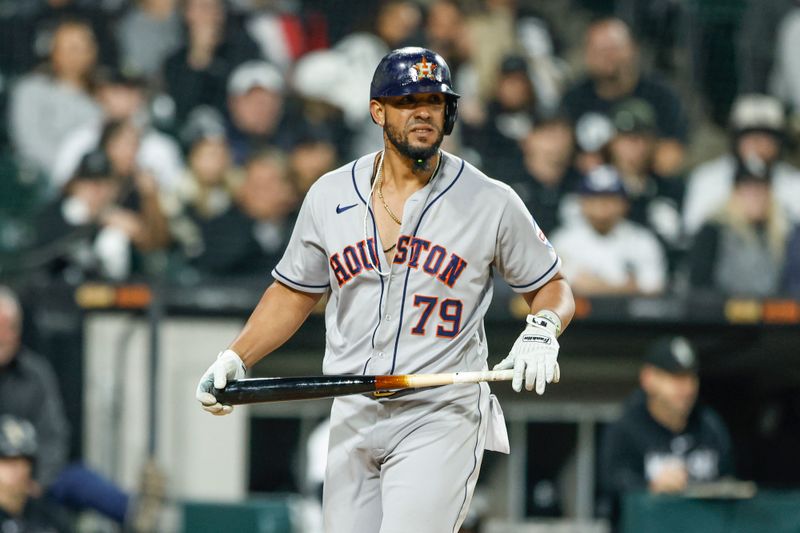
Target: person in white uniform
column 604, row 253
column 404, row 242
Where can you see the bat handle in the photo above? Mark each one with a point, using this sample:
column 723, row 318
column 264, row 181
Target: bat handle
column 483, row 375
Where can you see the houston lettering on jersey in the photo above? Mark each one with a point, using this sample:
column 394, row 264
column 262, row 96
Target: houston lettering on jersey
column 416, row 252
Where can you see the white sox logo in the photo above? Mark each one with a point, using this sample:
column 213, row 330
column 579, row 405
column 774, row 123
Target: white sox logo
column 426, row 70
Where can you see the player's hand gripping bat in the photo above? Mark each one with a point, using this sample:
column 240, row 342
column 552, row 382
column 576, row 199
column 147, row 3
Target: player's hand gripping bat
column 258, row 390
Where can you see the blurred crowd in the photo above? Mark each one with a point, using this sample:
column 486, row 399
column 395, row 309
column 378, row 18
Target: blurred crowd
column 178, row 137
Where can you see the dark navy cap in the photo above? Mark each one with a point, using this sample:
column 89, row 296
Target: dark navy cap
column 672, row 354
column 94, row 166
column 603, row 180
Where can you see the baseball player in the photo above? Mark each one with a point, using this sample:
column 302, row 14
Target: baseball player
column 405, row 242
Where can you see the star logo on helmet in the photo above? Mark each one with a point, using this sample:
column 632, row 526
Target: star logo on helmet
column 425, row 69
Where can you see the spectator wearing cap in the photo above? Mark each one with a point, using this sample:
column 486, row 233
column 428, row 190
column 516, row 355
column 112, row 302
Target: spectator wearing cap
column 66, row 230
column 655, row 201
column 197, row 74
column 549, row 177
column 603, row 253
column 742, row 250
column 611, row 58
column 324, row 103
column 259, row 115
column 47, row 105
column 87, row 233
column 665, row 440
column 757, row 127
column 19, row 511
column 510, row 116
column 123, row 98
column 29, row 391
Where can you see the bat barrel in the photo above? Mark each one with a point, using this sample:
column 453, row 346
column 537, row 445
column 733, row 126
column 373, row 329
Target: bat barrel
column 259, row 390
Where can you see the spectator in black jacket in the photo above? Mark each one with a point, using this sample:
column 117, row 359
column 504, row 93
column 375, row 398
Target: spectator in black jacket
column 665, row 440
column 510, row 116
column 548, row 177
column 655, row 201
column 259, row 114
column 611, row 57
column 197, row 74
column 29, row 390
column 101, row 224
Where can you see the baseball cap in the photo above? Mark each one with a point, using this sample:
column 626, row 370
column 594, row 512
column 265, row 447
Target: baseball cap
column 321, row 75
column 672, row 354
column 757, row 112
column 203, row 122
column 634, row 115
column 593, row 131
column 252, row 74
column 94, row 166
column 514, row 63
column 17, row 437
column 603, row 180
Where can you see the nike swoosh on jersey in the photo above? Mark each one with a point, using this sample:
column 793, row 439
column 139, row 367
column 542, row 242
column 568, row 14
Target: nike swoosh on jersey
column 340, row 209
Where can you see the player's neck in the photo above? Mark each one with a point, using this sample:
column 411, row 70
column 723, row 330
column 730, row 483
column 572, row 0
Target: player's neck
column 403, row 173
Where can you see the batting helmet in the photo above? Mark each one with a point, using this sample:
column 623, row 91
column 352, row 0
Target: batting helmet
column 414, row 70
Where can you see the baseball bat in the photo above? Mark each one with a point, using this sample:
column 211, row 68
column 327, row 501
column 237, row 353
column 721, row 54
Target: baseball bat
column 258, row 390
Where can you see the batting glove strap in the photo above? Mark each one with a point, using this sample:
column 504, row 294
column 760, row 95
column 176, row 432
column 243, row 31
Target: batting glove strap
column 546, row 319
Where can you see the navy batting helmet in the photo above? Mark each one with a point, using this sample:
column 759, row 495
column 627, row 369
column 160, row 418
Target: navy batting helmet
column 414, row 70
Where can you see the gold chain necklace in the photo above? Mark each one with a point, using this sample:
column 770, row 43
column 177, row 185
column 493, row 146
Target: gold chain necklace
column 380, row 189
column 385, row 205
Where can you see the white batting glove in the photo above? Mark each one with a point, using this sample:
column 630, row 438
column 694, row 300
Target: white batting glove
column 227, row 367
column 534, row 356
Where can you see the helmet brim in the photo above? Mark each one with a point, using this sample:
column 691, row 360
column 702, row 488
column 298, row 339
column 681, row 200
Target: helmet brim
column 418, row 88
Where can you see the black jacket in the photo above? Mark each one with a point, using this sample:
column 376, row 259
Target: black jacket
column 633, row 446
column 29, row 390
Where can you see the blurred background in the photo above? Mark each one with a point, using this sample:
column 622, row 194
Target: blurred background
column 153, row 157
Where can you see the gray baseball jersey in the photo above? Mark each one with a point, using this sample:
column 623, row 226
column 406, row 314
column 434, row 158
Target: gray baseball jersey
column 428, row 315
column 425, row 317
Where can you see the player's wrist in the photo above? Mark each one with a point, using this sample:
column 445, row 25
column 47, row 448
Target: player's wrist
column 231, row 354
column 546, row 319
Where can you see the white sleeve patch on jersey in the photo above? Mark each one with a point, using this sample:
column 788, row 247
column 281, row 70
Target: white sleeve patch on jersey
column 304, row 265
column 523, row 256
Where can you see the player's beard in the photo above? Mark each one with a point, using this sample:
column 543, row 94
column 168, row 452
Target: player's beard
column 420, row 155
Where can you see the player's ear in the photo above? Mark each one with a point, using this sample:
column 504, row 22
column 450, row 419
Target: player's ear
column 377, row 111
